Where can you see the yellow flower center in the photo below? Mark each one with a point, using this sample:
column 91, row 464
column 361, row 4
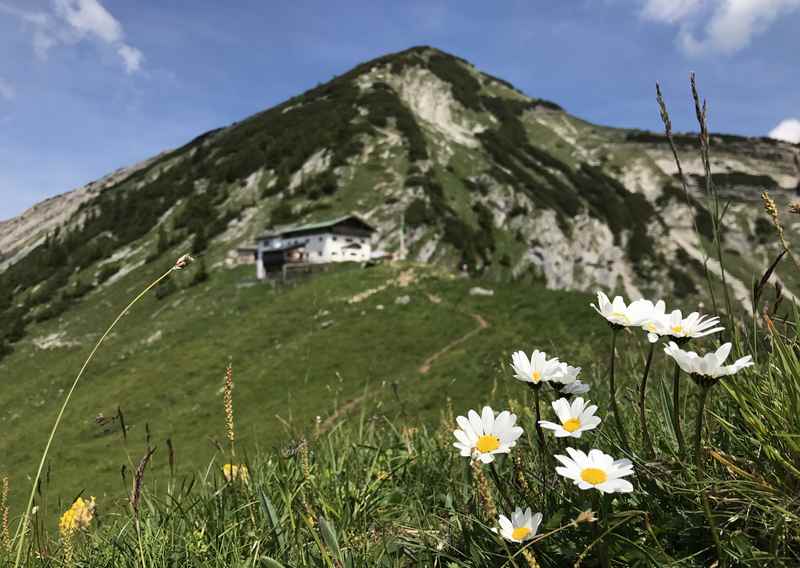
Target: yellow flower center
column 571, row 425
column 487, row 443
column 619, row 316
column 536, row 376
column 520, row 532
column 594, row 475
column 676, row 329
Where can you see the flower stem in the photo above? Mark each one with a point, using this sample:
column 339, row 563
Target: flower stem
column 699, row 468
column 597, row 529
column 613, row 392
column 676, row 412
column 500, row 487
column 543, row 455
column 139, row 539
column 698, row 430
column 648, row 442
column 539, row 432
column 22, row 529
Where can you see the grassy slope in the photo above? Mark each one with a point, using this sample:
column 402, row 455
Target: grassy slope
column 287, row 366
column 400, row 496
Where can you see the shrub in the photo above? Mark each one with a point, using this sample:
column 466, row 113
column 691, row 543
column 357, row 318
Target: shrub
column 417, row 214
column 107, row 271
column 282, row 214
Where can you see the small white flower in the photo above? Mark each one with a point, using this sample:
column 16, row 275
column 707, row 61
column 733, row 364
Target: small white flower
column 620, row 314
column 655, row 319
column 536, row 369
column 709, row 365
column 596, row 471
column 522, row 526
column 575, row 418
column 692, row 326
column 482, row 436
column 569, row 374
column 577, row 387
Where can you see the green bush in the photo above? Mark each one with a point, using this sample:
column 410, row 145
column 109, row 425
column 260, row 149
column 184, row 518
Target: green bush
column 107, row 271
column 417, row 214
column 282, row 214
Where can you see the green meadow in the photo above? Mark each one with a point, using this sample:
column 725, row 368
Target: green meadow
column 346, row 388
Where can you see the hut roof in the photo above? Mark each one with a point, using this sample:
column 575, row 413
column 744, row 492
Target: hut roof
column 313, row 227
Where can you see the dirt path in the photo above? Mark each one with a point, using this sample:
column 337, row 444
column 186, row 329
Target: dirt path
column 482, row 324
column 343, row 410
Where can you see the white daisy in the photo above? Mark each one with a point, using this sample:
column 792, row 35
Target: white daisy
column 709, row 365
column 596, row 471
column 618, row 313
column 575, row 418
column 692, row 326
column 655, row 321
column 522, row 526
column 536, row 369
column 569, row 374
column 577, row 387
column 482, row 436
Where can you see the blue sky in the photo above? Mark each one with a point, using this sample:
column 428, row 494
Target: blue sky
column 87, row 86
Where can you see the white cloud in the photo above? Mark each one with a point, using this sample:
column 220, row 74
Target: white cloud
column 131, row 56
column 72, row 21
column 788, row 130
column 7, row 90
column 91, row 18
column 669, row 11
column 727, row 26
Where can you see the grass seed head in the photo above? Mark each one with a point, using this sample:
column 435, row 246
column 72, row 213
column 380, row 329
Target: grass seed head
column 527, row 553
column 5, row 533
column 772, row 210
column 483, row 490
column 227, row 395
column 138, row 478
column 585, row 517
column 183, row 262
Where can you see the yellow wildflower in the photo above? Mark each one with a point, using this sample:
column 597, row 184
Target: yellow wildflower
column 78, row 516
column 233, row 472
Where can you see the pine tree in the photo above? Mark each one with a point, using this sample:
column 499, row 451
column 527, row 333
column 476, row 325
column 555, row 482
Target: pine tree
column 17, row 328
column 200, row 241
column 163, row 241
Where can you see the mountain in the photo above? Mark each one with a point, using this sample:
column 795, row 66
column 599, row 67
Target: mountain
column 484, row 175
column 526, row 195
